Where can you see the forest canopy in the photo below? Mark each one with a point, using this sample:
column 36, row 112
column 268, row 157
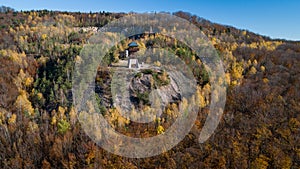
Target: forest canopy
column 260, row 127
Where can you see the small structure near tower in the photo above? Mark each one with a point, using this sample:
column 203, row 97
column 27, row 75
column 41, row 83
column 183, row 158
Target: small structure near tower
column 133, row 63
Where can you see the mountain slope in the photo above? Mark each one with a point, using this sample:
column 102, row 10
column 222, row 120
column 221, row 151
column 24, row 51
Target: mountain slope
column 39, row 129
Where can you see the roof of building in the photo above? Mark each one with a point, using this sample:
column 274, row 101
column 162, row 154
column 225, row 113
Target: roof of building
column 133, row 44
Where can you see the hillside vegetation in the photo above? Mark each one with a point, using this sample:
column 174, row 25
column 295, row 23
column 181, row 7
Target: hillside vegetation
column 260, row 127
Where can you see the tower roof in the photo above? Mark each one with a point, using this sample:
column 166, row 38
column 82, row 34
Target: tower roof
column 133, row 44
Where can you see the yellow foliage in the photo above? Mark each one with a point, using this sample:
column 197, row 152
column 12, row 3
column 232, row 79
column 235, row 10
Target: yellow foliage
column 265, row 80
column 255, row 62
column 234, row 46
column 184, row 104
column 160, row 129
column 14, row 56
column 146, row 108
column 199, row 62
column 53, row 120
column 28, row 81
column 193, row 58
column 141, row 45
column 61, row 112
column 12, row 119
column 227, row 78
column 21, row 74
column 78, row 59
column 220, row 81
column 44, row 36
column 252, row 70
column 42, row 60
column 206, row 89
column 244, row 33
column 169, row 112
column 262, row 68
column 122, row 121
column 32, row 126
column 214, row 40
column 1, row 118
column 33, row 22
column 270, row 45
column 285, row 162
column 65, row 19
column 249, row 62
column 263, row 132
column 253, row 45
column 73, row 116
column 114, row 117
column 294, row 124
column 236, row 149
column 23, row 103
column 164, row 76
column 157, row 63
column 260, row 163
column 21, row 39
column 40, row 96
column 200, row 99
column 234, row 83
column 11, row 30
column 237, row 71
column 90, row 157
column 33, row 29
column 3, row 53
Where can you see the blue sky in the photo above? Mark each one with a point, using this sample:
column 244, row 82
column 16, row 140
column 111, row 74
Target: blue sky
column 273, row 18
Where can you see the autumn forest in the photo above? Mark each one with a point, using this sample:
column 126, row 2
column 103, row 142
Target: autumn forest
column 259, row 129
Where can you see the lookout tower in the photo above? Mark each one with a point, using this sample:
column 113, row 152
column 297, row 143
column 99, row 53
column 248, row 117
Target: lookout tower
column 133, row 47
column 132, row 61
